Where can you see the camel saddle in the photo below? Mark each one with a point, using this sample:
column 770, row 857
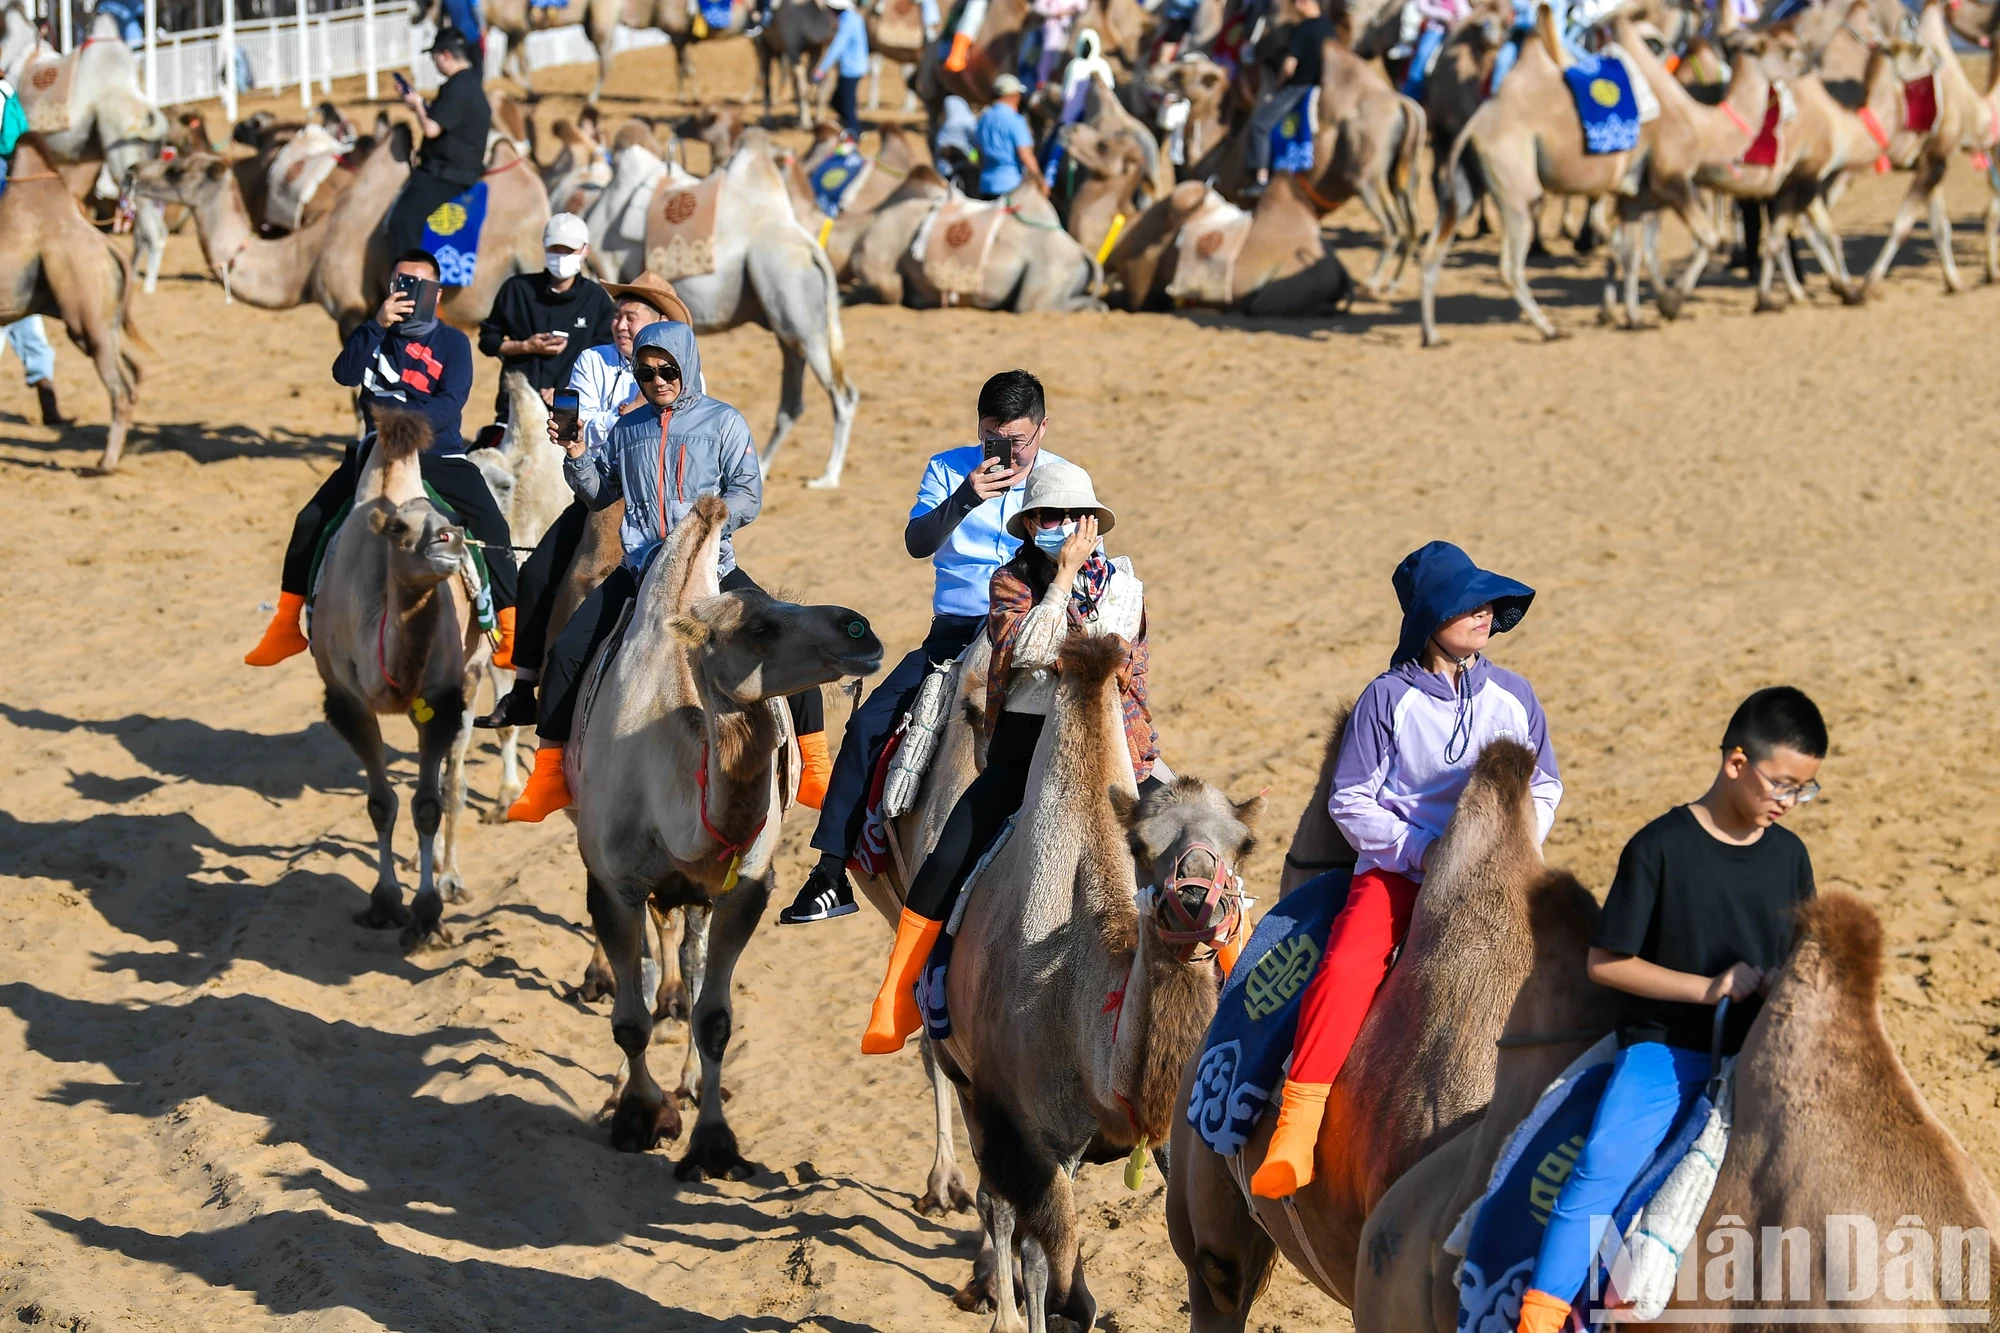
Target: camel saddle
column 451, row 233
column 296, row 174
column 1210, row 241
column 898, row 23
column 44, row 89
column 680, row 227
column 955, row 242
column 1768, row 146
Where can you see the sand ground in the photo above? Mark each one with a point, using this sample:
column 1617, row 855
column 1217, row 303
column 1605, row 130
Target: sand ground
column 230, row 1107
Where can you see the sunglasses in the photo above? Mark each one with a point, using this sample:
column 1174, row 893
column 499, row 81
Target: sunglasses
column 647, row 374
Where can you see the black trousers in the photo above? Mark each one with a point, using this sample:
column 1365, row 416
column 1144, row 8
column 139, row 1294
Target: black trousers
column 541, row 576
column 984, row 808
column 562, row 677
column 846, row 806
column 419, row 199
column 452, row 476
column 844, row 89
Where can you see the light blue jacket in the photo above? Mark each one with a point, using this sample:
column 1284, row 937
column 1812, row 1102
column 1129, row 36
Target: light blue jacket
column 848, row 49
column 707, row 450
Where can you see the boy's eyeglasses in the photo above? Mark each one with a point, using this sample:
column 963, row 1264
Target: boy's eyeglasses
column 647, row 374
column 1794, row 792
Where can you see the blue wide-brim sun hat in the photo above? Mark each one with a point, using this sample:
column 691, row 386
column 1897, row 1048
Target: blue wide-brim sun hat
column 1438, row 581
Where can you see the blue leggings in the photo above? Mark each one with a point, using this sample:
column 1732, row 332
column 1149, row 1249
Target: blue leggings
column 1650, row 1082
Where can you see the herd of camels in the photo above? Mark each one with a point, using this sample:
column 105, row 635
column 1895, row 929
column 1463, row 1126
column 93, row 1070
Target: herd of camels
column 1092, row 895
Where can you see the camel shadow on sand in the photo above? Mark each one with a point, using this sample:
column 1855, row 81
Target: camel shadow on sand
column 274, row 767
column 201, row 442
column 547, row 1176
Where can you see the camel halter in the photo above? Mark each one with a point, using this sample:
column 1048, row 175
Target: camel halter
column 731, row 852
column 1220, row 915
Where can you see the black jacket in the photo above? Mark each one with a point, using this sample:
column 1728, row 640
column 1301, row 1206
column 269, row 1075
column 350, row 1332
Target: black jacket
column 458, row 155
column 523, row 307
column 431, row 375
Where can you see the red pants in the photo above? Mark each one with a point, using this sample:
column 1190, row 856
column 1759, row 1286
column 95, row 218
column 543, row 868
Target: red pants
column 1358, row 948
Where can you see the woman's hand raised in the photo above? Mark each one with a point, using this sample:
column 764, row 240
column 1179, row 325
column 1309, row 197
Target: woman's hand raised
column 1076, row 551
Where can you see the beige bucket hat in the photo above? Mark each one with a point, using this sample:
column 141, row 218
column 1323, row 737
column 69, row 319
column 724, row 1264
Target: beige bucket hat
column 1056, row 485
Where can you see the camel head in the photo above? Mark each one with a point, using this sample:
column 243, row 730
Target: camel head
column 1767, row 51
column 192, row 180
column 425, row 548
column 748, row 646
column 1105, row 156
column 1191, row 841
column 1201, row 81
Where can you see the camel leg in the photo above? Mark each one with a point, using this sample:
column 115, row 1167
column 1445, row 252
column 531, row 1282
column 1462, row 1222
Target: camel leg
column 791, row 403
column 874, row 82
column 1993, row 237
column 597, row 979
column 644, row 1116
column 1378, row 208
column 1228, row 1257
column 120, row 378
column 1035, row 1270
column 733, row 918
column 1829, row 249
column 149, row 240
column 452, row 883
column 1054, row 1246
column 604, row 59
column 437, row 740
column 1680, row 196
column 1443, row 233
column 1781, row 229
column 670, row 1001
column 1922, row 182
column 693, row 966
column 998, row 1215
column 1941, row 237
column 1631, row 243
column 359, row 728
column 1515, row 227
column 946, row 1190
column 1767, row 266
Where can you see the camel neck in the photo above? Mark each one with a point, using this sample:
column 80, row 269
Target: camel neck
column 736, row 774
column 263, row 273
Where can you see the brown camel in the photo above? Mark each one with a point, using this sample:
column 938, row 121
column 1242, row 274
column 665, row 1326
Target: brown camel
column 60, row 265
column 341, row 261
column 1827, row 1123
column 1110, row 190
column 393, row 632
column 679, row 801
column 1420, row 1071
column 1052, row 924
column 1528, row 141
column 599, row 20
column 1281, row 270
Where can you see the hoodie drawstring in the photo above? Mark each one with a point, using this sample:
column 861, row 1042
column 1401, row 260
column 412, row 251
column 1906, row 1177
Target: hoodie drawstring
column 680, row 468
column 1460, row 739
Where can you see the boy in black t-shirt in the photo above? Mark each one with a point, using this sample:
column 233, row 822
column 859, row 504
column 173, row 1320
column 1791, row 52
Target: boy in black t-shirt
column 1703, row 907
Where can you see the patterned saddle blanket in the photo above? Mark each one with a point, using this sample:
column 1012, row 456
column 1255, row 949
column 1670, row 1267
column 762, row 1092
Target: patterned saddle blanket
column 451, row 233
column 680, row 226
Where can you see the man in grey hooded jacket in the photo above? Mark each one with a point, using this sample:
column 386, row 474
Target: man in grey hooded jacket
column 693, row 444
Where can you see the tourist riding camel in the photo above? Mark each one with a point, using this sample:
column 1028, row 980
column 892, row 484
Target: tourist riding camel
column 1408, row 751
column 966, row 500
column 403, row 360
column 703, row 444
column 453, row 127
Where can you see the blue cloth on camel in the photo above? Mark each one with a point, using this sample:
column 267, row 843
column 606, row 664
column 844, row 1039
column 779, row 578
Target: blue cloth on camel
column 1605, row 102
column 451, row 233
column 833, row 178
column 1250, row 1038
column 1292, row 137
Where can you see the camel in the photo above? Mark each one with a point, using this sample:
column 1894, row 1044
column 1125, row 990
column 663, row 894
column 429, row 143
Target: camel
column 1527, row 140
column 267, row 137
column 105, row 121
column 57, row 264
column 1283, row 269
column 393, row 632
column 898, row 155
column 895, row 33
column 517, row 18
column 1033, row 265
column 768, row 270
column 1120, row 25
column 341, row 261
column 582, row 166
column 679, row 800
column 1826, row 1122
column 880, row 259
column 795, row 35
column 677, row 19
column 1125, row 172
column 1317, row 842
column 1052, row 924
column 1420, row 1071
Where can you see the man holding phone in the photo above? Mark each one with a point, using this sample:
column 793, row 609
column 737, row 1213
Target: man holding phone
column 453, row 127
column 959, row 523
column 405, row 359
column 542, row 322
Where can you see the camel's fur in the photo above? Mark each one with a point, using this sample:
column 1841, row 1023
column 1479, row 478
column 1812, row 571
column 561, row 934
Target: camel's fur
column 1420, row 1071
column 393, row 632
column 1284, row 268
column 1826, row 1121
column 897, row 156
column 1052, row 925
column 1034, row 264
column 693, row 689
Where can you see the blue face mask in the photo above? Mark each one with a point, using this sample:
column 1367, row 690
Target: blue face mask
column 1052, row 539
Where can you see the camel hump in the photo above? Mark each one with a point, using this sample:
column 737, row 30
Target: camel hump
column 1506, row 767
column 401, row 435
column 635, row 133
column 1545, row 29
column 1088, row 662
column 1847, row 937
column 1187, row 197
column 710, row 509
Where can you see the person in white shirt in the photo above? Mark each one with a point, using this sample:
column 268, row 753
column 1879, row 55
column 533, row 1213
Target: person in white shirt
column 605, row 390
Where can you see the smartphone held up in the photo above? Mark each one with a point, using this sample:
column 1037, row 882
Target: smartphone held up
column 564, row 413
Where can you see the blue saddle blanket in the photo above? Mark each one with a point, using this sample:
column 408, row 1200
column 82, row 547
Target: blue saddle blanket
column 1507, row 1231
column 1249, row 1040
column 1292, row 137
column 833, row 178
column 1605, row 103
column 451, row 233
column 715, row 13
column 548, row 4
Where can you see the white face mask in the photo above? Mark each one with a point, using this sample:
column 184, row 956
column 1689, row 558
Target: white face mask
column 562, row 266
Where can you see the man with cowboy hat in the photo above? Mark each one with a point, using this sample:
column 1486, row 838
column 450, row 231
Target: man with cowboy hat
column 453, row 155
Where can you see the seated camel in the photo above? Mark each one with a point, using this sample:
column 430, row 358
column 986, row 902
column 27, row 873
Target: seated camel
column 1826, row 1123
column 268, row 137
column 1033, row 264
column 1280, row 266
column 1112, row 169
column 55, row 263
column 679, row 797
column 394, row 632
column 882, row 179
column 881, row 255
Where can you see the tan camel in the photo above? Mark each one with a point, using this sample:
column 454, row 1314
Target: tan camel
column 55, row 263
column 1282, row 270
column 1111, row 190
column 678, row 797
column 1317, row 842
column 267, row 137
column 1420, row 1071
column 1033, row 264
column 1528, row 141
column 599, row 20
column 393, row 632
column 1052, row 924
column 1121, row 27
column 881, row 259
column 899, row 154
column 1827, row 1124
column 341, row 261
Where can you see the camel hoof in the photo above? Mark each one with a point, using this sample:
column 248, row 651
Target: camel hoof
column 1766, row 306
column 97, row 472
column 423, row 935
column 1669, row 303
column 1856, row 294
column 976, row 1296
column 383, row 916
column 712, row 1155
column 947, row 1194
column 1607, row 319
column 454, row 890
column 823, row 483
column 673, row 1009
column 637, row 1127
column 498, row 813
column 598, row 984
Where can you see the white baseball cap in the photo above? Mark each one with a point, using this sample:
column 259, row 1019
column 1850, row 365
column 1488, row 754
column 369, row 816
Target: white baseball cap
column 1007, row 85
column 566, row 229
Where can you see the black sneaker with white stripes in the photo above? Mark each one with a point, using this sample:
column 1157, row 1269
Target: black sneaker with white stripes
column 825, row 896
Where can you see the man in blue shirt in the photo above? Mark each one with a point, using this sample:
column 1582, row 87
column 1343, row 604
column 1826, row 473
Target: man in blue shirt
column 1006, row 144
column 849, row 52
column 960, row 523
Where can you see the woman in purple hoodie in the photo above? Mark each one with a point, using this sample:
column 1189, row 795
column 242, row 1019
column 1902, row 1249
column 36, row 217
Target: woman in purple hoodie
column 1409, row 748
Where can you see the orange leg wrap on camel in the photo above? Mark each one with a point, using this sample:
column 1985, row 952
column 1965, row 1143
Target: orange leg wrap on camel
column 546, row 791
column 1542, row 1313
column 1358, row 948
column 895, row 1014
column 282, row 637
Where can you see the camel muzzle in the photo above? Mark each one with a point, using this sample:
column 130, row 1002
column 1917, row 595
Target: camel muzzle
column 1196, row 910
